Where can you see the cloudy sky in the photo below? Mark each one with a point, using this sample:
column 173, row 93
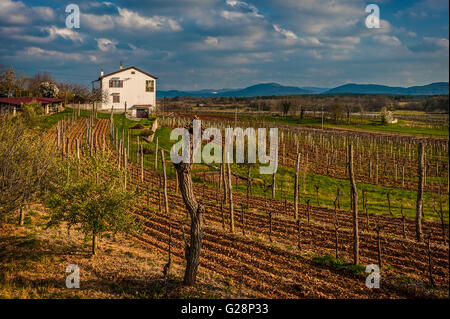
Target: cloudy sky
column 197, row 44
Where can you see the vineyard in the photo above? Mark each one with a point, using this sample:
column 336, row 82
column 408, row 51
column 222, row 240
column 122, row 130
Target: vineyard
column 257, row 243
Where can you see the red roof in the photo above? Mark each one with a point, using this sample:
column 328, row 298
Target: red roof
column 28, row 100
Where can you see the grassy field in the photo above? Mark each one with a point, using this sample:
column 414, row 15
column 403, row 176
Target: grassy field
column 402, row 127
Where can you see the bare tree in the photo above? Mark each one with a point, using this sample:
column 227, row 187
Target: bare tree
column 10, row 80
column 25, row 164
column 196, row 211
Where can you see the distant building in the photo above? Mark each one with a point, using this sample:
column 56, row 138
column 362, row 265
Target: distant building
column 130, row 89
column 15, row 104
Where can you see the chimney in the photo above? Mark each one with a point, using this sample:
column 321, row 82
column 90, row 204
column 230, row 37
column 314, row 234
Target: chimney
column 121, row 66
column 101, row 73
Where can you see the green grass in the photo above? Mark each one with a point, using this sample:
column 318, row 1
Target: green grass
column 401, row 127
column 47, row 122
column 339, row 265
column 376, row 194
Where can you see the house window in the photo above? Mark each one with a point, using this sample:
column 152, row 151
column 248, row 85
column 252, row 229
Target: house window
column 132, row 72
column 116, row 98
column 115, row 83
column 150, row 86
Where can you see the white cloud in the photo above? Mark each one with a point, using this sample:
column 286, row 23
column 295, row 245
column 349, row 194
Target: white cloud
column 133, row 20
column 288, row 34
column 387, row 40
column 310, row 41
column 106, row 45
column 211, row 41
column 52, row 33
column 250, row 9
column 439, row 42
column 17, row 13
column 50, row 55
column 130, row 20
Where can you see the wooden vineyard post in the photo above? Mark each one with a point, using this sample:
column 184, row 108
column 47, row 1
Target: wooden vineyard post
column 21, row 216
column 376, row 171
column 166, row 269
column 220, row 178
column 166, row 199
column 249, row 181
column 128, row 143
column 156, row 155
column 403, row 220
column 159, row 194
column 270, row 225
column 137, row 149
column 317, row 194
column 119, row 157
column 223, row 216
column 142, row 164
column 354, row 200
column 299, row 237
column 58, row 136
column 388, row 195
column 230, row 195
column 297, row 167
column 419, row 204
column 274, row 186
column 440, row 213
column 403, row 175
column 430, row 264
column 242, row 220
column 378, row 229
column 224, row 179
column 338, row 193
column 125, row 165
column 308, row 206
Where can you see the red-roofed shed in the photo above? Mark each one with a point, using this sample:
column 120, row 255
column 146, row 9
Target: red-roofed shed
column 11, row 104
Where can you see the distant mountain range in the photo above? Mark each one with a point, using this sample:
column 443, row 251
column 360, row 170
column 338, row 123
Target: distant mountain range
column 429, row 89
column 269, row 89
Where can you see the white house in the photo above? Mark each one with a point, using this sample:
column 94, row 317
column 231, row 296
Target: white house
column 130, row 89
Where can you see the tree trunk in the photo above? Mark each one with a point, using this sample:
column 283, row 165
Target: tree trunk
column 419, row 204
column 354, row 198
column 196, row 210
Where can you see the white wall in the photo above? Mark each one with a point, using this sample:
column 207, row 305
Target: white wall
column 133, row 90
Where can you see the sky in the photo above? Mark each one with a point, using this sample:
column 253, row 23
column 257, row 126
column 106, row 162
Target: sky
column 213, row 44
